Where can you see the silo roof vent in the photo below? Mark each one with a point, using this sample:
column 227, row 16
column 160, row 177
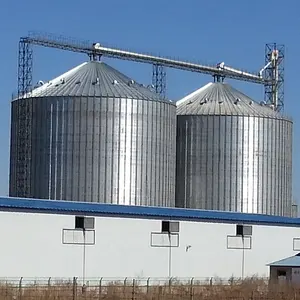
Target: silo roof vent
column 237, row 100
column 131, row 82
column 262, row 103
column 96, row 81
column 205, row 100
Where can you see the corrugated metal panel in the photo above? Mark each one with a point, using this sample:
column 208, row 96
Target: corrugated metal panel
column 109, row 150
column 140, row 212
column 295, row 210
column 234, row 162
column 97, row 149
column 222, row 99
column 95, row 79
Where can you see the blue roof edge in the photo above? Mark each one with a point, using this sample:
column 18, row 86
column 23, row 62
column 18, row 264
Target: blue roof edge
column 286, row 262
column 140, row 212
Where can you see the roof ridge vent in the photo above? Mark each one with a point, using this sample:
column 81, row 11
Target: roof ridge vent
column 62, row 80
column 251, row 102
column 115, row 82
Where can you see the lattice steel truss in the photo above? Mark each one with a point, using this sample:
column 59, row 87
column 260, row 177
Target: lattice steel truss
column 24, row 119
column 159, row 80
column 25, row 67
column 96, row 50
column 274, row 76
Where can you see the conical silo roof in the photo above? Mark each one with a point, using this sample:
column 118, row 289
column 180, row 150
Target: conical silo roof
column 94, row 79
column 222, row 99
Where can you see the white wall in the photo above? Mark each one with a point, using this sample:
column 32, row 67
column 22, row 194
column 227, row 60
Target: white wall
column 31, row 246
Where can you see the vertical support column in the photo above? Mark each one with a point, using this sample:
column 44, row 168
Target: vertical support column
column 274, row 76
column 159, row 80
column 23, row 174
column 24, row 67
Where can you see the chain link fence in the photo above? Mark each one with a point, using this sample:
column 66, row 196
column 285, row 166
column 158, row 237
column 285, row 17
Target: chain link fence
column 144, row 288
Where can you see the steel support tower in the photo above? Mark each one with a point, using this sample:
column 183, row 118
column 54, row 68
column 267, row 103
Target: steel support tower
column 274, row 76
column 25, row 67
column 159, row 80
column 24, row 117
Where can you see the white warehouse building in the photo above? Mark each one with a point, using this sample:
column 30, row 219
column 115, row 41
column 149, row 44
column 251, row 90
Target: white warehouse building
column 127, row 241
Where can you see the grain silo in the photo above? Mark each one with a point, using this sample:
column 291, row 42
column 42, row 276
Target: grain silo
column 95, row 135
column 233, row 154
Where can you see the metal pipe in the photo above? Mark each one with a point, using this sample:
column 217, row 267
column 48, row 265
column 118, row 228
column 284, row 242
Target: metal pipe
column 83, row 262
column 243, row 257
column 170, row 257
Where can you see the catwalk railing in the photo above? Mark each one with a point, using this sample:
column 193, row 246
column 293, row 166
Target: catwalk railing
column 145, row 288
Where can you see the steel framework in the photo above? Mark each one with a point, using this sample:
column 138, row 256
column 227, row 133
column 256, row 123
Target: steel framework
column 24, row 147
column 271, row 76
column 24, row 117
column 24, row 67
column 274, row 75
column 94, row 50
column 159, row 80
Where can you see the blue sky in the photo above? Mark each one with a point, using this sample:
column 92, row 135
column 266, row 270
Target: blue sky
column 205, row 31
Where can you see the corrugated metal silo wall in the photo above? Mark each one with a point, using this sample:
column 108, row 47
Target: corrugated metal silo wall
column 234, row 163
column 107, row 150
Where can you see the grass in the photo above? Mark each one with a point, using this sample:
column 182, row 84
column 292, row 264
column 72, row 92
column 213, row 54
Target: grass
column 247, row 289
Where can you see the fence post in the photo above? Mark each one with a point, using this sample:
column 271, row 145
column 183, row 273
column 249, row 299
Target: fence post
column 133, row 289
column 49, row 285
column 100, row 287
column 160, row 291
column 192, row 288
column 74, row 288
column 148, row 280
column 20, row 288
column 124, row 285
column 170, row 285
